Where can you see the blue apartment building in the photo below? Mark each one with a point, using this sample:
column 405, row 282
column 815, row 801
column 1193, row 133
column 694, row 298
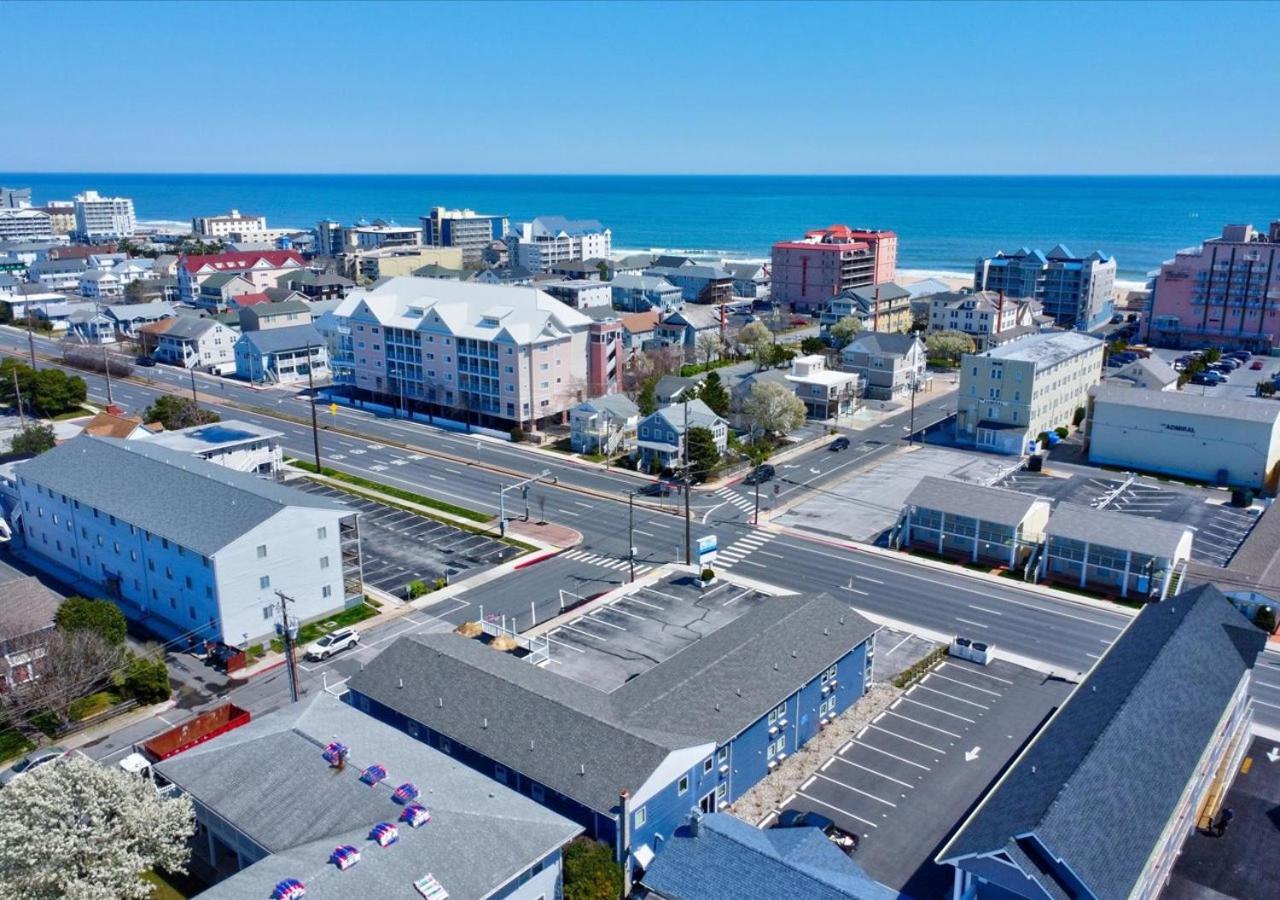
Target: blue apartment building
column 695, row 731
column 1078, row 291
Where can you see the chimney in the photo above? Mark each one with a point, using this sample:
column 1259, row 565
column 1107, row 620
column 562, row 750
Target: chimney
column 695, row 822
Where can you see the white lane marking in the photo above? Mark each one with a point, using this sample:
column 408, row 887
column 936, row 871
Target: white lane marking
column 873, row 771
column 951, row 697
column 937, row 674
column 844, row 812
column 939, row 709
column 849, row 787
column 971, row 622
column 951, row 665
column 584, row 633
column 910, row 740
column 990, row 612
column 892, row 755
column 924, row 724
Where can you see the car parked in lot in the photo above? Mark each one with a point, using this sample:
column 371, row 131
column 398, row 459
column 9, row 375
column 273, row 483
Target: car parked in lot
column 1242, row 355
column 333, row 642
column 840, row 443
column 1256, row 365
column 760, row 474
column 794, row 818
column 32, row 761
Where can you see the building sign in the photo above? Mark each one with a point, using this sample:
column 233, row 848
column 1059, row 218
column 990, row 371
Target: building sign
column 1184, row 429
column 706, row 550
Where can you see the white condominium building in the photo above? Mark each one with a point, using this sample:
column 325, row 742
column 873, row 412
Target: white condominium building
column 243, row 226
column 548, row 240
column 101, row 218
column 192, row 550
column 1010, row 394
column 25, row 224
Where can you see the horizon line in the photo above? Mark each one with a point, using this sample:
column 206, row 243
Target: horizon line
column 66, row 172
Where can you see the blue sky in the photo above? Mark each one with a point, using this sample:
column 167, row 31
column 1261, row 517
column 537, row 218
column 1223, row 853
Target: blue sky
column 640, row 87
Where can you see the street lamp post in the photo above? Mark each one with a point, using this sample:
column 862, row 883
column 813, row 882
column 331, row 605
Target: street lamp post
column 631, row 532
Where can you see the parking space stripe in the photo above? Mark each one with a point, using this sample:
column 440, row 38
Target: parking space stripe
column 872, row 771
column 951, row 665
column 584, row 633
column 893, row 756
column 951, row 697
column 924, row 724
column 594, row 613
column 631, row 598
column 938, row 710
column 563, row 644
column 910, row 740
column 836, row 808
column 849, row 787
column 937, row 674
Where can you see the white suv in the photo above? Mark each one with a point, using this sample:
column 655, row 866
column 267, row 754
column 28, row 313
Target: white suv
column 333, row 642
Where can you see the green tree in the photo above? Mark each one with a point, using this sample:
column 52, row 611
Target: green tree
column 752, row 337
column 714, row 394
column 812, row 345
column 772, row 409
column 843, row 331
column 146, row 678
column 590, row 872
column 704, row 456
column 648, row 399
column 35, row 438
column 178, row 412
column 1078, row 416
column 780, row 355
column 100, row 616
column 949, row 345
column 47, row 392
column 603, row 268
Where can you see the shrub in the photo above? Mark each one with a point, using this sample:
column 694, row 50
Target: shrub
column 708, row 574
column 415, row 588
column 517, row 435
column 101, row 616
column 1043, row 438
column 1078, row 417
column 147, row 679
column 910, row 676
column 1062, row 431
column 590, row 872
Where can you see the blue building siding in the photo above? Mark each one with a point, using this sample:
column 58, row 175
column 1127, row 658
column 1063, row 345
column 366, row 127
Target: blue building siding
column 724, row 776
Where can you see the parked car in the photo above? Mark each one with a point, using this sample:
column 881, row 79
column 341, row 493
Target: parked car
column 1242, row 355
column 1256, row 365
column 657, row 489
column 791, row 818
column 840, row 443
column 799, row 320
column 333, row 642
column 32, row 761
column 1117, row 319
column 146, row 361
column 759, row 475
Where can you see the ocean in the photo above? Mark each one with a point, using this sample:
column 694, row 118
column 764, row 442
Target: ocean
column 944, row 222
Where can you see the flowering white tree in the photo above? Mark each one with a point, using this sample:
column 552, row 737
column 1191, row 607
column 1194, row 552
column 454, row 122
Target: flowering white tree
column 84, row 831
column 772, row 409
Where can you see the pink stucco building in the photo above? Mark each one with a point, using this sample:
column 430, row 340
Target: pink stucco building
column 1225, row 293
column 827, row 261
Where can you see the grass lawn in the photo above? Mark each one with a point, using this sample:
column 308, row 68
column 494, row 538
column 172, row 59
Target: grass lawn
column 84, row 707
column 429, row 502
column 72, row 414
column 172, row 887
column 312, row 630
column 13, row 743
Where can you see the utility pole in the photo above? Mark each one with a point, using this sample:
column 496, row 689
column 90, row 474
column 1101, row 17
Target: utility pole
column 288, row 635
column 194, row 399
column 31, row 342
column 631, row 532
column 17, row 393
column 688, row 531
column 315, row 428
column 106, row 370
column 911, row 429
column 755, row 520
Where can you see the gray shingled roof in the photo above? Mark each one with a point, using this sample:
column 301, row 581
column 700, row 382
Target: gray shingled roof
column 269, row 780
column 960, row 498
column 197, row 504
column 26, row 606
column 1107, row 528
column 1099, row 783
column 880, row 342
column 189, row 328
column 276, row 340
column 888, row 292
column 590, row 745
column 1221, row 407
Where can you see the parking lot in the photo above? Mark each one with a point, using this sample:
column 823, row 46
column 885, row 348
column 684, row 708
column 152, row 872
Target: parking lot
column 1220, row 528
column 1241, row 382
column 399, row 547
column 631, row 633
column 909, row 778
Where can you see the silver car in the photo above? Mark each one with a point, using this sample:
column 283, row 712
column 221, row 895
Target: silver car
column 32, row 761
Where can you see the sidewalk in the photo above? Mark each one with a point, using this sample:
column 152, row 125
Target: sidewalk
column 110, row 726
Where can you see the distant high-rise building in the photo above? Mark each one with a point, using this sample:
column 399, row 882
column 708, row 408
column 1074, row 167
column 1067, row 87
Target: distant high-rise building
column 15, row 198
column 24, row 224
column 1078, row 291
column 828, row 261
column 232, row 223
column 464, row 228
column 548, row 240
column 1225, row 292
column 331, row 238
column 101, row 218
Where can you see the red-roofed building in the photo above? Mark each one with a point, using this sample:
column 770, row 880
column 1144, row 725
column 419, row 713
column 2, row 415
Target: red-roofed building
column 244, row 300
column 262, row 268
column 828, row 261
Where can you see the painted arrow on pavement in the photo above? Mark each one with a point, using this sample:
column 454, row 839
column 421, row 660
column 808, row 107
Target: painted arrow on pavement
column 971, row 755
column 1274, row 754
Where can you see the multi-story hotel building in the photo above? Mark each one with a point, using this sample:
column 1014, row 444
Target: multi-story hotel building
column 191, row 549
column 101, row 218
column 1078, row 291
column 1013, row 393
column 247, row 227
column 549, row 240
column 489, row 355
column 1226, row 292
column 464, row 228
column 828, row 261
column 263, row 269
column 25, row 224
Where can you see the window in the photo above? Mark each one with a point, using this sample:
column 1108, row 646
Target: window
column 326, row 591
column 722, row 755
column 324, row 562
column 777, row 747
column 642, row 816
column 264, row 582
column 707, row 764
column 829, row 675
column 322, row 533
column 536, row 793
column 682, row 787
column 500, row 773
column 262, row 551
column 777, row 713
